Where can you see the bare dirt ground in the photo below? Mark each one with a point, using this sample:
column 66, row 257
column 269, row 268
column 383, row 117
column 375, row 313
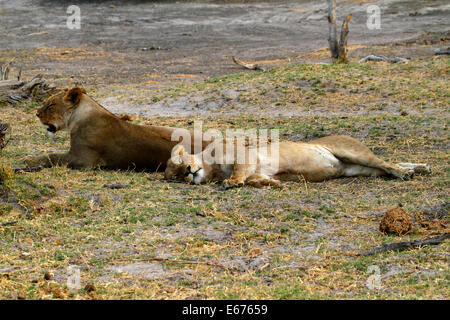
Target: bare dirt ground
column 127, row 49
column 166, row 63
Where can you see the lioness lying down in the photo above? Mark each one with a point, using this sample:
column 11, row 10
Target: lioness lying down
column 318, row 160
column 100, row 139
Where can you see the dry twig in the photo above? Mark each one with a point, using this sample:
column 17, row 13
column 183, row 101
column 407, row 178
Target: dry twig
column 400, row 246
column 249, row 66
column 28, row 169
column 372, row 57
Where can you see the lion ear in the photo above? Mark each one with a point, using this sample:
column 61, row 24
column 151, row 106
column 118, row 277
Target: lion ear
column 178, row 150
column 74, row 95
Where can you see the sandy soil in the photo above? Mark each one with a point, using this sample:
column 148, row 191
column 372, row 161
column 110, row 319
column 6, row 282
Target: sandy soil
column 166, row 38
column 124, row 53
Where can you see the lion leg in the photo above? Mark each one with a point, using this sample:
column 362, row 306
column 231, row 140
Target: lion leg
column 352, row 151
column 372, row 162
column 88, row 159
column 240, row 173
column 48, row 160
column 351, row 170
column 259, row 181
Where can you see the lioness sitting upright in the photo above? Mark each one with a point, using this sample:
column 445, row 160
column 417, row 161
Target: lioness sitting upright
column 98, row 138
column 318, row 160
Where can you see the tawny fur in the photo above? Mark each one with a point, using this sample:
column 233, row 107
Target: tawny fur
column 318, row 160
column 98, row 138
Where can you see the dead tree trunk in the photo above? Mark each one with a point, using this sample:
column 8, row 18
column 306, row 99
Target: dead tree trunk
column 338, row 49
column 332, row 31
column 4, row 71
column 15, row 91
column 400, row 246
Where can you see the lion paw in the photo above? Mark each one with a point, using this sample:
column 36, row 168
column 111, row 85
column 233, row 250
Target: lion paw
column 425, row 169
column 408, row 174
column 228, row 184
column 419, row 168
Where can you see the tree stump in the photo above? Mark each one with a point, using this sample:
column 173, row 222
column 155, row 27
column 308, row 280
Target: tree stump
column 338, row 49
column 15, row 91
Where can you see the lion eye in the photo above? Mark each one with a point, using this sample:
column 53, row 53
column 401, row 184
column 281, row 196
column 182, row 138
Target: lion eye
column 177, row 160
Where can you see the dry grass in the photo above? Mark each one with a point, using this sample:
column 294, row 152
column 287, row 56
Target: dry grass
column 295, row 243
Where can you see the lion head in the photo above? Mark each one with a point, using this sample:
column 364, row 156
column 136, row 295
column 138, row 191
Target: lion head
column 185, row 166
column 56, row 110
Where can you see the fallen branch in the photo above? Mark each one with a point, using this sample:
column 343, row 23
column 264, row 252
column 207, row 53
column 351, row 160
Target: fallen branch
column 442, row 51
column 116, row 186
column 9, row 223
column 249, row 66
column 181, row 262
column 15, row 91
column 382, row 58
column 400, row 246
column 28, row 169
